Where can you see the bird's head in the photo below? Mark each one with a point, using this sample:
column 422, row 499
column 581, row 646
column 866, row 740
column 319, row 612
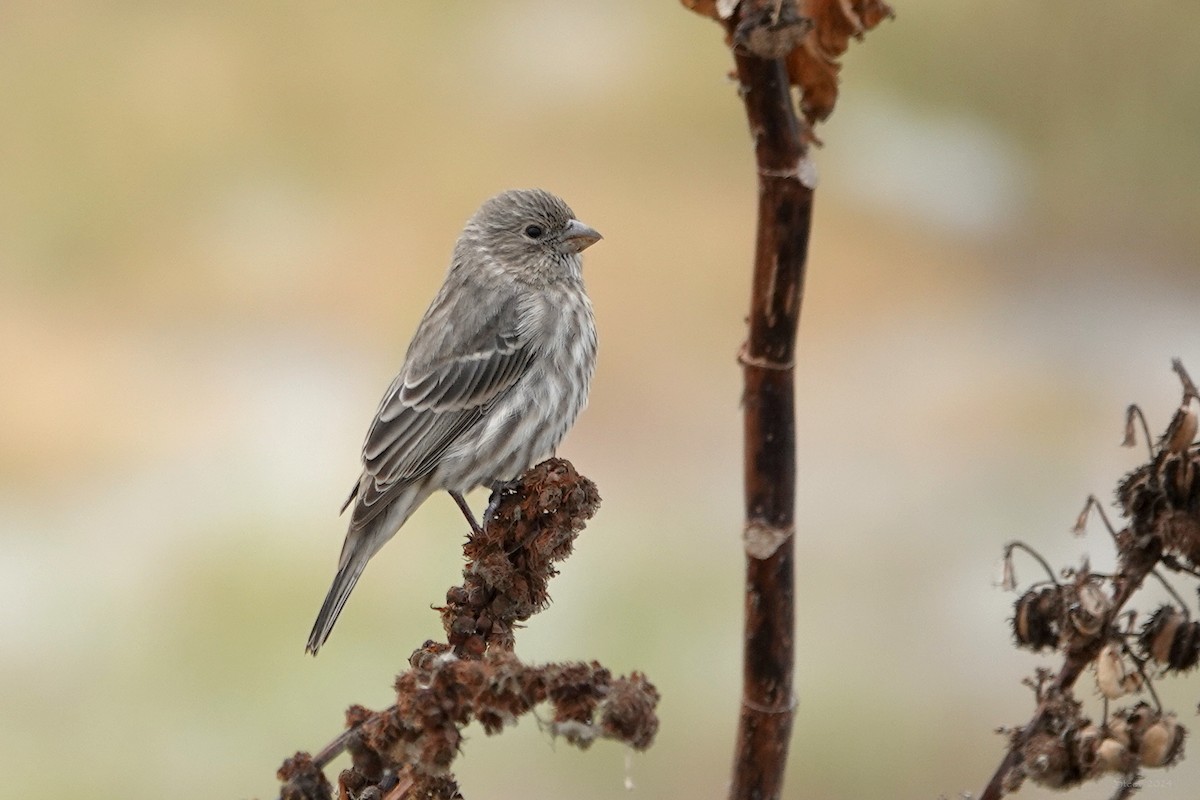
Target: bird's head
column 531, row 231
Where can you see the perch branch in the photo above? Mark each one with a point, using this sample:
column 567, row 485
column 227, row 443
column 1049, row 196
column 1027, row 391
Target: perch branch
column 407, row 749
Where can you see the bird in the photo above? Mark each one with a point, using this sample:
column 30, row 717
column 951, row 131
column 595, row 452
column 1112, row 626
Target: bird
column 495, row 375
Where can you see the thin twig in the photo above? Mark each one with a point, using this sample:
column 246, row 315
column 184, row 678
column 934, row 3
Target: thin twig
column 1016, row 545
column 1189, row 388
column 1171, row 591
column 1174, row 564
column 1130, row 440
column 1141, row 668
column 1081, row 521
column 334, row 749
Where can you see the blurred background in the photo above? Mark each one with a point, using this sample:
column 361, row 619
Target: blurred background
column 219, row 225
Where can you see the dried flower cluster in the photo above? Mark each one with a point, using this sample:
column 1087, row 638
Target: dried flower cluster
column 442, row 693
column 302, row 779
column 510, row 565
column 1084, row 617
column 1067, row 748
column 406, row 750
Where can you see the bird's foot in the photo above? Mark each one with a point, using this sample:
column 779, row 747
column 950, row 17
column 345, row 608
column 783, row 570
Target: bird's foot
column 466, row 510
column 498, row 490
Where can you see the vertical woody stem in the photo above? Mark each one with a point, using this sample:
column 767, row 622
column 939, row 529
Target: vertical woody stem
column 781, row 248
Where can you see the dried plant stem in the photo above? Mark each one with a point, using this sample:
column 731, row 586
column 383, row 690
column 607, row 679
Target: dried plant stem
column 777, row 45
column 784, row 216
column 334, row 749
column 1128, row 581
column 1035, row 555
column 1189, row 388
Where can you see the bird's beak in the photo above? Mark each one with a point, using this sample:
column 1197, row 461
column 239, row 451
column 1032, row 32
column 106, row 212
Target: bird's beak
column 579, row 237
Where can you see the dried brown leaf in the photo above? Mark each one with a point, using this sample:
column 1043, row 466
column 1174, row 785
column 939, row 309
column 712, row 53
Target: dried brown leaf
column 813, row 66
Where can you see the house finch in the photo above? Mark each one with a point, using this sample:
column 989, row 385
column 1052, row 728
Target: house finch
column 495, row 375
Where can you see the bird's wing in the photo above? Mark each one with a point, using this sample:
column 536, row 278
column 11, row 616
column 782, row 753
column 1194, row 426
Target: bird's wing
column 433, row 401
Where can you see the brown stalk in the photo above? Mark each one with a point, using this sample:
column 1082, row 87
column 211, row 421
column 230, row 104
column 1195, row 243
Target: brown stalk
column 781, row 249
column 777, row 45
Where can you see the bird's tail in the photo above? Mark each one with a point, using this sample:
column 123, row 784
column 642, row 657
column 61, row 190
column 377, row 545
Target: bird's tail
column 339, row 592
column 360, row 545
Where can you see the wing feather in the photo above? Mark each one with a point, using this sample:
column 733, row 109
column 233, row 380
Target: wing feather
column 432, row 403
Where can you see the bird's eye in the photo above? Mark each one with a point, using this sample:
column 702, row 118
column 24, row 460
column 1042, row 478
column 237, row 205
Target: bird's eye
column 534, row 231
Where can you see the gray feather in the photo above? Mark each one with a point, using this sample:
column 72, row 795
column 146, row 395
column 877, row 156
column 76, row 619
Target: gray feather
column 432, row 403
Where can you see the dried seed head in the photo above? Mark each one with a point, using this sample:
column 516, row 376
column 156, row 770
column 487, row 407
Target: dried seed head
column 1037, row 618
column 1112, row 756
column 1162, row 742
column 1114, row 678
column 302, row 779
column 1185, row 649
column 1090, row 612
column 1158, row 634
column 1098, row 753
column 1156, row 739
column 1046, row 760
column 1139, row 495
column 1169, row 639
column 1178, row 528
column 1160, row 497
column 1181, row 430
